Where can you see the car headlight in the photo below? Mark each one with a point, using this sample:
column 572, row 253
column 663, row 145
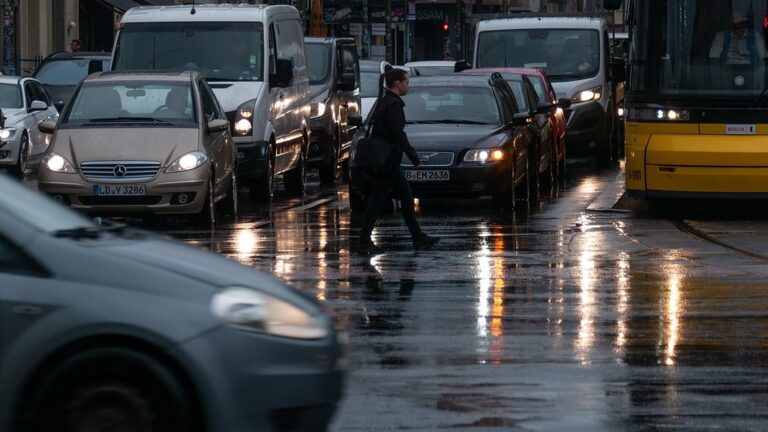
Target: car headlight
column 318, row 109
column 658, row 114
column 57, row 163
column 244, row 118
column 588, row 95
column 7, row 133
column 484, row 155
column 187, row 162
column 251, row 310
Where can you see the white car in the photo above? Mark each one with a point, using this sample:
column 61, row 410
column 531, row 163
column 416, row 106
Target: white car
column 24, row 103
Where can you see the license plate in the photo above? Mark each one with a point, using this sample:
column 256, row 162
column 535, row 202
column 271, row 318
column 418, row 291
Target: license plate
column 427, row 175
column 118, row 190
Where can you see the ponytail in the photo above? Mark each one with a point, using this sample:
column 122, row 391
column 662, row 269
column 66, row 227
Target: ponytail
column 390, row 77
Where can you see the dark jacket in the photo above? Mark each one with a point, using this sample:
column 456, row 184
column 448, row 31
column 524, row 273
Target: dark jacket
column 389, row 125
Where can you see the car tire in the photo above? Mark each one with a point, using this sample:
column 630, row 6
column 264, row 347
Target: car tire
column 295, row 180
column 23, row 158
column 109, row 389
column 207, row 215
column 329, row 173
column 229, row 204
column 264, row 188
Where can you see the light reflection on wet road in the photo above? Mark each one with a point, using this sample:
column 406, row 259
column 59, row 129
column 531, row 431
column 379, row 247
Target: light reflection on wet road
column 577, row 317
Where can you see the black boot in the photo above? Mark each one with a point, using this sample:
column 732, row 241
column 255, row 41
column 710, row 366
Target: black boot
column 424, row 241
column 369, row 247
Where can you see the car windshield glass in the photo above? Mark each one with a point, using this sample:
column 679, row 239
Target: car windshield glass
column 319, row 60
column 66, row 72
column 566, row 55
column 228, row 51
column 22, row 203
column 433, row 70
column 451, row 104
column 158, row 102
column 10, row 96
column 369, row 83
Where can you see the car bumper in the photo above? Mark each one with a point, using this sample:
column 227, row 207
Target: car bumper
column 586, row 127
column 251, row 381
column 321, row 144
column 252, row 158
column 162, row 194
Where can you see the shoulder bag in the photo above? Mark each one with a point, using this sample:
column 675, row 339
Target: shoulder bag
column 371, row 153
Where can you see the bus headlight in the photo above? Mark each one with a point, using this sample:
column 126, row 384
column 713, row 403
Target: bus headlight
column 658, row 114
column 588, row 95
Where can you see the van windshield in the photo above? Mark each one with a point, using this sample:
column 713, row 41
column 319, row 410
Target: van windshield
column 221, row 51
column 319, row 60
column 566, row 55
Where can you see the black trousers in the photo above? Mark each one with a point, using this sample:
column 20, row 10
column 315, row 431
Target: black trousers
column 390, row 178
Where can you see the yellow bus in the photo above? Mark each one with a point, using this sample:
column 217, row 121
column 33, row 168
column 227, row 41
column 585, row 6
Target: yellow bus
column 696, row 100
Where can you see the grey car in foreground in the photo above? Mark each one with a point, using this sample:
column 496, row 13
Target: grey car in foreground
column 109, row 328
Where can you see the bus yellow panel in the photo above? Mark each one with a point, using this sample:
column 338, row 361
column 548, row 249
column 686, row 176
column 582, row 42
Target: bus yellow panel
column 683, row 179
column 708, row 150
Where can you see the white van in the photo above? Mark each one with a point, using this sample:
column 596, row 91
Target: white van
column 253, row 58
column 575, row 53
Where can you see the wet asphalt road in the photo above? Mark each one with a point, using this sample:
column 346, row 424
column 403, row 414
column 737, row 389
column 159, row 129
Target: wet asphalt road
column 581, row 315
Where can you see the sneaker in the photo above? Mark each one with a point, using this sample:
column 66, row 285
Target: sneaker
column 369, row 247
column 425, row 240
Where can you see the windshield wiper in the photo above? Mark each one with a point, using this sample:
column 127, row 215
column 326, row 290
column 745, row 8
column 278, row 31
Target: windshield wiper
column 128, row 120
column 79, row 233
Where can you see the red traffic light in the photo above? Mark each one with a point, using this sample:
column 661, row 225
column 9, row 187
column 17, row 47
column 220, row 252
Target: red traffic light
column 446, row 27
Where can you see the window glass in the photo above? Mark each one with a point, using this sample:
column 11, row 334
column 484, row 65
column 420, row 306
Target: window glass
column 565, row 55
column 41, row 94
column 66, row 72
column 538, row 86
column 369, row 82
column 519, row 93
column 319, row 59
column 452, row 105
column 210, row 110
column 10, row 96
column 223, row 51
column 166, row 101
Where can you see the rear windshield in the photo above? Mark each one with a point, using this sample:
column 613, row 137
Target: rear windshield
column 66, row 72
column 10, row 96
column 451, row 105
column 153, row 102
column 221, row 51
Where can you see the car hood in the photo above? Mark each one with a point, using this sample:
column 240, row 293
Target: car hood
column 13, row 115
column 163, row 144
column 203, row 266
column 318, row 93
column 453, row 137
column 232, row 94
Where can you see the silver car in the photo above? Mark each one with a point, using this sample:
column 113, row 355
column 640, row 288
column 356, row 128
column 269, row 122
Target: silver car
column 24, row 103
column 108, row 328
column 143, row 142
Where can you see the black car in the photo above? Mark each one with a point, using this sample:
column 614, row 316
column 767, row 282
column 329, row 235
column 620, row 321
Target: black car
column 334, row 79
column 472, row 137
column 61, row 71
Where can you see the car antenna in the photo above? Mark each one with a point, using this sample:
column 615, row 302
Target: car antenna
column 193, row 11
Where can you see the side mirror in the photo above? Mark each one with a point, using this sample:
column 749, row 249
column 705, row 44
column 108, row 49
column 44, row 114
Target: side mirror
column 564, row 103
column 46, row 126
column 461, row 65
column 284, row 74
column 95, row 66
column 59, row 105
column 218, row 125
column 544, row 108
column 37, row 105
column 521, row 119
column 355, row 121
column 346, row 82
column 618, row 71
